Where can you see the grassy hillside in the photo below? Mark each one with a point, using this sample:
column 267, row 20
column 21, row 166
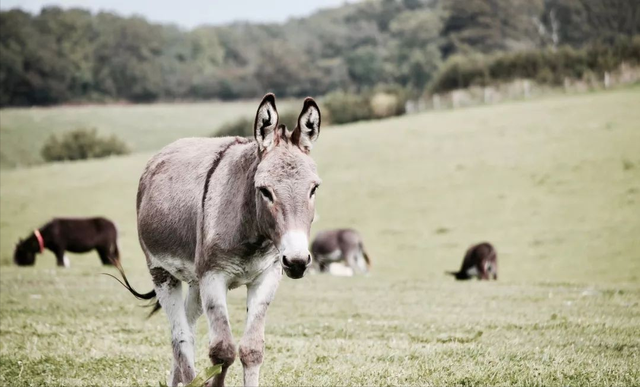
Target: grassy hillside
column 144, row 127
column 554, row 184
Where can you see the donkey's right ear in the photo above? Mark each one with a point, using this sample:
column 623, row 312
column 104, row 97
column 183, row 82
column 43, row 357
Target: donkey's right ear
column 264, row 128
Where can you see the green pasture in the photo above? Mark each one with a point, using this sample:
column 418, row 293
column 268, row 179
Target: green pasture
column 143, row 127
column 553, row 183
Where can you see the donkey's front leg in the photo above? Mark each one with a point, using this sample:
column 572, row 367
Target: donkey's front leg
column 61, row 259
column 260, row 293
column 222, row 350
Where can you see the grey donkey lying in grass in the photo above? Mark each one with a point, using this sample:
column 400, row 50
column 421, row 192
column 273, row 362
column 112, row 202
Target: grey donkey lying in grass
column 340, row 252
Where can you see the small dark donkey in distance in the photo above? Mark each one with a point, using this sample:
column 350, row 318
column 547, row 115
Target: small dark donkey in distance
column 77, row 235
column 480, row 261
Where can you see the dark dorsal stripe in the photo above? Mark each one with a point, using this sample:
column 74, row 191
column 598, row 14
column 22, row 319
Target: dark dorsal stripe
column 212, row 169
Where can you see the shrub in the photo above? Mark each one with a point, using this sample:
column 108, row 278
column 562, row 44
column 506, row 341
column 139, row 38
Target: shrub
column 545, row 76
column 346, row 107
column 82, row 144
column 384, row 105
column 242, row 127
column 463, row 71
column 388, row 101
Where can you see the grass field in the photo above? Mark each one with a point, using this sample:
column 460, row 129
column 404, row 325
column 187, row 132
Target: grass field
column 144, row 127
column 554, row 184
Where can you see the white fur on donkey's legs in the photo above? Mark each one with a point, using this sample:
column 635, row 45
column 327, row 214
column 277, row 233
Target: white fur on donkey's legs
column 222, row 350
column 260, row 293
column 182, row 340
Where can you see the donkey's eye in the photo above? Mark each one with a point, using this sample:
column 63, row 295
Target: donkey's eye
column 266, row 193
column 313, row 191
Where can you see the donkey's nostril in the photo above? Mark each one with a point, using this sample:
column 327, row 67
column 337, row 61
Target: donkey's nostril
column 295, row 265
column 296, row 262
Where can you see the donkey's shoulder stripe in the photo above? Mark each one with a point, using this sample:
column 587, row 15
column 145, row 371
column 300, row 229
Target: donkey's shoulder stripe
column 214, row 166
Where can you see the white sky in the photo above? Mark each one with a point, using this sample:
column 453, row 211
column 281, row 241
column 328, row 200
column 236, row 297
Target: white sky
column 189, row 13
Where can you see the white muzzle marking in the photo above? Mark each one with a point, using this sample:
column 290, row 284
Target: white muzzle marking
column 294, row 245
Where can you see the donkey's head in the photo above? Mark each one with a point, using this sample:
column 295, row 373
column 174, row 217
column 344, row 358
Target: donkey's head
column 286, row 181
column 25, row 252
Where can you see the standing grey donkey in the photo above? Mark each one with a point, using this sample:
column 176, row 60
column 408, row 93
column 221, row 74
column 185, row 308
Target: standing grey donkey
column 331, row 248
column 221, row 213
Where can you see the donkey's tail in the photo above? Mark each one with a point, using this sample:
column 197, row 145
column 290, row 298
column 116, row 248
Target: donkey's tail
column 366, row 256
column 140, row 296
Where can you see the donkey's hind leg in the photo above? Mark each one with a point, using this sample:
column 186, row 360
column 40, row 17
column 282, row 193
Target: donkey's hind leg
column 103, row 253
column 351, row 260
column 114, row 253
column 169, row 292
column 193, row 306
column 193, row 309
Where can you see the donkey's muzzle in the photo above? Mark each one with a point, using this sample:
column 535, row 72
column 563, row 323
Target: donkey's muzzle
column 295, row 267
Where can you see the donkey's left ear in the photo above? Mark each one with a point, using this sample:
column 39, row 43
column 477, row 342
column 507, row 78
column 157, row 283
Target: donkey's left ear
column 264, row 127
column 308, row 128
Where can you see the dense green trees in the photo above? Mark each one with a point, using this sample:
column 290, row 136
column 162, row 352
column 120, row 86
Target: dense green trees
column 580, row 21
column 547, row 66
column 491, row 25
column 62, row 56
column 416, row 46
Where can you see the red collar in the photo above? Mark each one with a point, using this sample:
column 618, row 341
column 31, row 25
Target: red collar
column 36, row 232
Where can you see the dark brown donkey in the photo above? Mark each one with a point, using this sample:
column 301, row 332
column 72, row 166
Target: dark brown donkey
column 77, row 235
column 480, row 261
column 219, row 213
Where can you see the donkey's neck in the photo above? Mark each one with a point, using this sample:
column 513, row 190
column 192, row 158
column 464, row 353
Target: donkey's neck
column 230, row 207
column 31, row 244
column 244, row 166
column 249, row 200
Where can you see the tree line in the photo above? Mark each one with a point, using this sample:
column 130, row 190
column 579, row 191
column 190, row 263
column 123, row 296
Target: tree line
column 74, row 56
column 545, row 66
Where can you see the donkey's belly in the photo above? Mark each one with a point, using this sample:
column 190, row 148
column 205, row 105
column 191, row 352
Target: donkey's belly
column 333, row 256
column 184, row 270
column 79, row 249
column 472, row 271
